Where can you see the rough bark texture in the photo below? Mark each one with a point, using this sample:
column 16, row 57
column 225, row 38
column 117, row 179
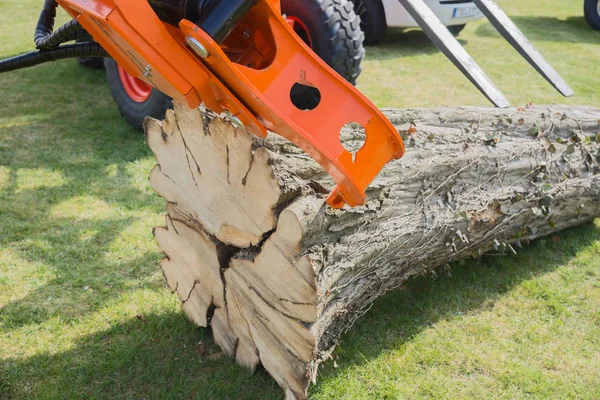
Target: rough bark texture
column 252, row 250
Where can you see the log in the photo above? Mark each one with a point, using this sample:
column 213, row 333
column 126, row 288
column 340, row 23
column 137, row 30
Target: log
column 252, row 251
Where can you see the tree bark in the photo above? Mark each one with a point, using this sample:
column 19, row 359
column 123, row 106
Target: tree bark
column 252, row 250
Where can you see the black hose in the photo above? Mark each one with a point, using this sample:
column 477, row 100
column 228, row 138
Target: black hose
column 45, row 38
column 45, row 25
column 80, row 36
column 88, row 49
column 64, row 34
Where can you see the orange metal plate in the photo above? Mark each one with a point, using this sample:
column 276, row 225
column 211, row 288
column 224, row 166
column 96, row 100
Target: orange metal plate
column 266, row 92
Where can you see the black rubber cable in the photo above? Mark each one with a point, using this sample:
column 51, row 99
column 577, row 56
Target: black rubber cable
column 64, row 34
column 37, row 57
column 45, row 25
column 45, row 38
column 80, row 36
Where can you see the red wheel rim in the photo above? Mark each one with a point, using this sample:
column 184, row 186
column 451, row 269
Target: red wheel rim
column 301, row 29
column 136, row 89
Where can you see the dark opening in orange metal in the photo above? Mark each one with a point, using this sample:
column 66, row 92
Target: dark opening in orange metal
column 301, row 29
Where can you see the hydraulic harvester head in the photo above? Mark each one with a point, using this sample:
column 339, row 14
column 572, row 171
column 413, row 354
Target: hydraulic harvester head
column 241, row 58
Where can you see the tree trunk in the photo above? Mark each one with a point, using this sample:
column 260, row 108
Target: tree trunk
column 252, row 250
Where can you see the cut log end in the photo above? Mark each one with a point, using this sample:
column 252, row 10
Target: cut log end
column 203, row 170
column 252, row 250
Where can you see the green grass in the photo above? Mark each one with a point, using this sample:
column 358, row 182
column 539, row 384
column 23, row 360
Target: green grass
column 407, row 70
column 85, row 313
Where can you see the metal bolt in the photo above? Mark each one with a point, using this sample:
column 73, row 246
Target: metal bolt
column 147, row 71
column 247, row 33
column 197, row 47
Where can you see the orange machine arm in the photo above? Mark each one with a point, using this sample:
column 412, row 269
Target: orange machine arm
column 261, row 74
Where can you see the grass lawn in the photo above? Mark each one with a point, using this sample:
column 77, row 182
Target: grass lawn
column 85, row 312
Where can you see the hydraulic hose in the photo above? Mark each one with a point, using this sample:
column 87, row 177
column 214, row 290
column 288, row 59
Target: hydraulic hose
column 33, row 58
column 48, row 42
column 45, row 38
column 45, row 25
column 65, row 33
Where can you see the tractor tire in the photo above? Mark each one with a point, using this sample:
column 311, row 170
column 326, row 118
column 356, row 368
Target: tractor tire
column 456, row 29
column 91, row 62
column 332, row 29
column 135, row 99
column 372, row 20
column 591, row 10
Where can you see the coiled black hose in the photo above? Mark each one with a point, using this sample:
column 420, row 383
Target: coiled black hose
column 45, row 38
column 45, row 25
column 59, row 53
column 48, row 42
column 64, row 34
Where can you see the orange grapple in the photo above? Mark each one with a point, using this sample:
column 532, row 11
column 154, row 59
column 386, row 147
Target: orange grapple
column 243, row 59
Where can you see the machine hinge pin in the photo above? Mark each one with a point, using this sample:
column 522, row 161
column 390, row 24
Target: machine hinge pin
column 197, row 47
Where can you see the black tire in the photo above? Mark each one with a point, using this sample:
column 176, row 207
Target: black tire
column 372, row 20
column 135, row 112
column 456, row 29
column 335, row 32
column 91, row 62
column 591, row 10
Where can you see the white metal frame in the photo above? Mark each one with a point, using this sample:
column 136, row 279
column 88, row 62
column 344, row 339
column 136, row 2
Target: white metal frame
column 397, row 16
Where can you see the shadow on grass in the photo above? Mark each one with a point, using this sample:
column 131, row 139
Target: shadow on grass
column 402, row 314
column 151, row 357
column 571, row 30
column 156, row 356
column 72, row 187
